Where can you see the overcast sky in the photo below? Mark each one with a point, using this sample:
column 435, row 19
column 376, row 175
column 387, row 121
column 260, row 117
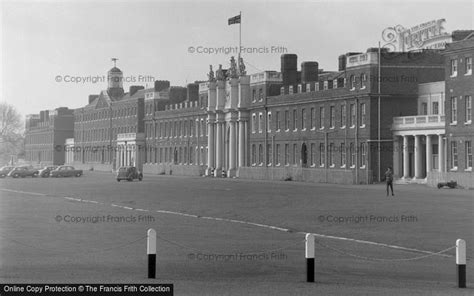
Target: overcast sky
column 42, row 40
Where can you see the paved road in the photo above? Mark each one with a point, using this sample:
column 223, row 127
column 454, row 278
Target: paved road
column 233, row 237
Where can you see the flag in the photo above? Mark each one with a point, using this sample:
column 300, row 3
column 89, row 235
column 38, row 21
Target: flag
column 234, row 20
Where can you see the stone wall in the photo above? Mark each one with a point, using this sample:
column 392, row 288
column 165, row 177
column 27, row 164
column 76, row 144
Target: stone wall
column 303, row 175
column 171, row 169
column 464, row 179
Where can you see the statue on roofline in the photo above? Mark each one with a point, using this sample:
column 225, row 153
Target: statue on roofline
column 242, row 70
column 220, row 73
column 210, row 75
column 233, row 68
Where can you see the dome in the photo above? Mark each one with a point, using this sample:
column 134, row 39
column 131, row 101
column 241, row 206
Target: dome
column 115, row 70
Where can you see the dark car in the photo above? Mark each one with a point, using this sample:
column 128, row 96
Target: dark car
column 5, row 170
column 22, row 171
column 129, row 173
column 44, row 172
column 65, row 171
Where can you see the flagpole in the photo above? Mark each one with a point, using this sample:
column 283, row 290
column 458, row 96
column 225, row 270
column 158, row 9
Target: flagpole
column 240, row 37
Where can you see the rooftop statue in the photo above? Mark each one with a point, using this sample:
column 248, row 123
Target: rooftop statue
column 220, row 73
column 233, row 68
column 242, row 70
column 210, row 75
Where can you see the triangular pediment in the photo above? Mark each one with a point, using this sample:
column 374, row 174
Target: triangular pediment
column 103, row 101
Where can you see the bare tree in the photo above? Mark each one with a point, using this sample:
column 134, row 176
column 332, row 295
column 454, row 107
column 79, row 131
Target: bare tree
column 11, row 129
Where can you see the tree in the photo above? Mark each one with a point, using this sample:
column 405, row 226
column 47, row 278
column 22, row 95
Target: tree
column 11, row 132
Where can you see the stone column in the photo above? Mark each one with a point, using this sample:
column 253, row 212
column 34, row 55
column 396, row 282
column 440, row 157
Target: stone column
column 417, row 157
column 232, row 149
column 406, row 160
column 429, row 155
column 219, row 149
column 396, row 156
column 241, row 143
column 210, row 144
column 440, row 153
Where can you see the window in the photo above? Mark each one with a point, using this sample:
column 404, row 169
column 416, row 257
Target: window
column 424, row 109
column 363, row 80
column 331, row 155
column 352, row 82
column 435, row 110
column 303, row 119
column 352, row 115
column 277, row 119
column 468, row 150
column 322, row 154
column 343, row 155
column 325, row 85
column 260, row 154
column 260, row 94
column 352, row 155
column 269, row 154
column 260, row 122
column 287, row 154
column 254, row 95
column 313, row 118
column 321, row 117
column 313, row 154
column 454, row 107
column 454, row 68
column 287, row 120
column 277, row 154
column 362, row 114
column 254, row 154
column 295, row 120
column 468, row 66
column 332, row 116
column 454, row 155
column 295, row 155
column 343, row 116
column 269, row 121
column 254, row 122
column 468, row 109
column 363, row 154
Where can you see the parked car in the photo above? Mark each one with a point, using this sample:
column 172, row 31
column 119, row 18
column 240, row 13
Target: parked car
column 129, row 173
column 44, row 172
column 65, row 171
column 5, row 170
column 22, row 171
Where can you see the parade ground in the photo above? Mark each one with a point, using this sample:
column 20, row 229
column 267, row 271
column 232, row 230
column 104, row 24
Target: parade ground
column 235, row 237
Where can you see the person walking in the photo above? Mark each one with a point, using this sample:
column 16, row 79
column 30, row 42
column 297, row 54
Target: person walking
column 389, row 180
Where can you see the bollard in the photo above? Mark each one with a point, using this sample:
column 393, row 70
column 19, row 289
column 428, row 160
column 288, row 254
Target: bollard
column 151, row 251
column 461, row 262
column 309, row 253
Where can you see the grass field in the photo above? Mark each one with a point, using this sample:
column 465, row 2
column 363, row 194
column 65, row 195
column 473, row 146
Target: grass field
column 234, row 237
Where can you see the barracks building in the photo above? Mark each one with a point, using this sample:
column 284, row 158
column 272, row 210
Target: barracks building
column 300, row 123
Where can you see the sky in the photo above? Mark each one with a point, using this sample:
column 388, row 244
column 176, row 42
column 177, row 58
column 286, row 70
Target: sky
column 45, row 45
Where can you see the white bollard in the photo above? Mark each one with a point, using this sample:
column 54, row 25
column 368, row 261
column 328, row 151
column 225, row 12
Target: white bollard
column 461, row 262
column 309, row 254
column 151, row 251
